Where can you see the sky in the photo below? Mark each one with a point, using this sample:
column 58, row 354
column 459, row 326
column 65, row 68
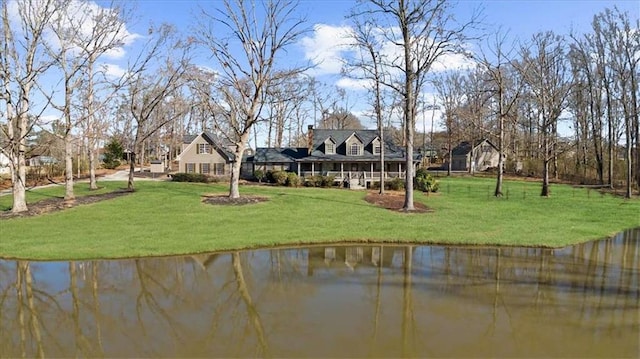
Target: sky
column 327, row 21
column 519, row 18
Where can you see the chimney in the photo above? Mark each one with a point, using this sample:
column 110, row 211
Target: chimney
column 310, row 138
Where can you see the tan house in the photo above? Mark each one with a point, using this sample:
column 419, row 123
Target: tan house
column 206, row 153
column 475, row 157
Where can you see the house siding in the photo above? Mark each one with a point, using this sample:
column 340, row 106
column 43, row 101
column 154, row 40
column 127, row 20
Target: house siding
column 214, row 159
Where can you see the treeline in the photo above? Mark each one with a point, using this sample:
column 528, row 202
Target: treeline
column 555, row 106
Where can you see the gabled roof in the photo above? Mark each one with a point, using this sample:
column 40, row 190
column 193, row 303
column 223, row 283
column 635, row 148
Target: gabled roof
column 465, row 147
column 392, row 152
column 220, row 145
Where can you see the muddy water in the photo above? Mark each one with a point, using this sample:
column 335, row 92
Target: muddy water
column 332, row 301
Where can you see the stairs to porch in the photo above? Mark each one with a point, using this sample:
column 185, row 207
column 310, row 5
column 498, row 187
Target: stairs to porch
column 355, row 183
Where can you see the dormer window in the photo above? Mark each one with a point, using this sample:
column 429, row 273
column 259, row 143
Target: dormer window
column 354, row 149
column 329, row 147
column 376, row 148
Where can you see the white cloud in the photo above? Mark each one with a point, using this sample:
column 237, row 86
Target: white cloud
column 80, row 19
column 113, row 70
column 453, row 62
column 353, row 84
column 325, row 48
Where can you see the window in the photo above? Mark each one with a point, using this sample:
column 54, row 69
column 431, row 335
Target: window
column 190, row 168
column 486, row 148
column 218, row 169
column 204, row 148
column 329, row 148
column 376, row 148
column 354, row 149
column 205, row 168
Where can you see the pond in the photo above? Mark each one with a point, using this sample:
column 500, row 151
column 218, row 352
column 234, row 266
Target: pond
column 331, row 301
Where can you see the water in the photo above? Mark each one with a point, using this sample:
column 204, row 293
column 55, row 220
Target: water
column 334, row 301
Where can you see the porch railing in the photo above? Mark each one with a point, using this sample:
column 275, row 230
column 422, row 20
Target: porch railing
column 366, row 175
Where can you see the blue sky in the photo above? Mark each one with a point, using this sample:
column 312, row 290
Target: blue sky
column 521, row 18
column 327, row 19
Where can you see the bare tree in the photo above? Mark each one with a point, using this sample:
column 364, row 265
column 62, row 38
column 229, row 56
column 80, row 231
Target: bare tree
column 368, row 66
column 423, row 31
column 544, row 70
column 622, row 40
column 82, row 34
column 22, row 63
column 147, row 92
column 257, row 34
column 283, row 101
column 450, row 91
column 505, row 92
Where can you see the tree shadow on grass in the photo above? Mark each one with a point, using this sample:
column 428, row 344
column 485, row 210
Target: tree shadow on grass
column 56, row 203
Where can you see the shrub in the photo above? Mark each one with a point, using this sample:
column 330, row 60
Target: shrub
column 279, row 177
column 425, row 182
column 259, row 175
column 395, row 184
column 313, row 181
column 327, row 181
column 190, row 177
column 292, row 179
column 112, row 154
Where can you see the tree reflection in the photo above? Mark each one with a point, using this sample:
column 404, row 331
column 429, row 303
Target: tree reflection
column 364, row 300
column 254, row 317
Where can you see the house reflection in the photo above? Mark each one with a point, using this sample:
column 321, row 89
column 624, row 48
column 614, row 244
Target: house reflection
column 352, row 257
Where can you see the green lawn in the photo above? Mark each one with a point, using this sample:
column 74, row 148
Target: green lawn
column 166, row 218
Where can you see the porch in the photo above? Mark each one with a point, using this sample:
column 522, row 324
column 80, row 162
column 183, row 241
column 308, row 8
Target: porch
column 355, row 175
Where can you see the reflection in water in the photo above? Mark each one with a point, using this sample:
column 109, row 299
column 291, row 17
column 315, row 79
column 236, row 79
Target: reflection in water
column 337, row 301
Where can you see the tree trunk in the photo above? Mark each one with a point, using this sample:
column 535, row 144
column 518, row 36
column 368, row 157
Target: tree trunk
column 93, row 184
column 236, row 167
column 628, row 161
column 450, row 160
column 132, row 168
column 498, row 191
column 68, row 169
column 18, row 182
column 545, row 167
column 382, row 169
column 19, row 179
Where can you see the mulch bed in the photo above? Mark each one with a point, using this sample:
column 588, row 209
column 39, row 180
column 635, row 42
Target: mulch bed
column 58, row 204
column 225, row 200
column 394, row 202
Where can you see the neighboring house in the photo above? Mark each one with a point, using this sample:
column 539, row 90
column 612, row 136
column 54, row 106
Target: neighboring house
column 476, row 157
column 206, row 153
column 39, row 161
column 349, row 155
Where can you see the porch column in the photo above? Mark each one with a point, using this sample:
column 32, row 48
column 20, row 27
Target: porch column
column 400, row 169
column 342, row 170
column 372, row 171
column 299, row 169
column 313, row 168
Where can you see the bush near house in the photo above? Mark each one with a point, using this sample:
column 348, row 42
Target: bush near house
column 425, row 182
column 191, row 177
column 277, row 177
column 320, row 181
column 258, row 175
column 292, row 179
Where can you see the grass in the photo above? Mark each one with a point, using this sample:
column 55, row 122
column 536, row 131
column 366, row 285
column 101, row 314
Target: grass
column 166, row 218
